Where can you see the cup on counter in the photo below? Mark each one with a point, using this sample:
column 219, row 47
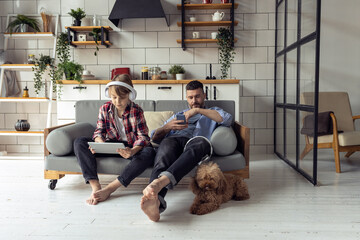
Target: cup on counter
column 214, row 35
column 192, row 19
column 196, row 34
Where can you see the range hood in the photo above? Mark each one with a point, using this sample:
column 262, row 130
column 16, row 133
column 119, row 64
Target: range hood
column 136, row 9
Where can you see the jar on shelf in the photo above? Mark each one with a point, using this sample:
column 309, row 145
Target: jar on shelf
column 22, row 125
column 144, row 73
column 31, row 59
column 154, row 73
column 163, row 75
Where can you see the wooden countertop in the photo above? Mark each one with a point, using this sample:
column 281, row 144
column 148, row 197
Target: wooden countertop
column 204, row 81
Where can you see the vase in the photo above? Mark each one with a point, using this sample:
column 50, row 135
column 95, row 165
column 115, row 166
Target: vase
column 180, row 76
column 23, row 27
column 22, row 125
column 77, row 22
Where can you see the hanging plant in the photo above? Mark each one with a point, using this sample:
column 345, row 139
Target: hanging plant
column 96, row 34
column 226, row 49
column 63, row 48
column 40, row 67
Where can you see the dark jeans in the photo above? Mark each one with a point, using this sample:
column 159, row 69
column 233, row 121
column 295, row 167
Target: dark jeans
column 87, row 161
column 174, row 162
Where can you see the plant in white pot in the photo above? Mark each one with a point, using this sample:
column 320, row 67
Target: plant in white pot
column 177, row 70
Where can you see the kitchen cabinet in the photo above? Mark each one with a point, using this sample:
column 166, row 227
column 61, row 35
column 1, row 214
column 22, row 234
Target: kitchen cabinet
column 214, row 6
column 223, row 89
column 164, row 91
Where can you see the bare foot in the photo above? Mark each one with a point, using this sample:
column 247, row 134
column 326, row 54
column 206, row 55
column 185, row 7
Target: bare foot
column 92, row 199
column 150, row 207
column 102, row 194
column 152, row 190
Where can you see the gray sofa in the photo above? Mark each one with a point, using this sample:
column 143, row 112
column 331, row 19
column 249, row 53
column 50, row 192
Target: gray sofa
column 60, row 159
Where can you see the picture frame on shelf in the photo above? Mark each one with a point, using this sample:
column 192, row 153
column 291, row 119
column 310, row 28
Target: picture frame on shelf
column 82, row 37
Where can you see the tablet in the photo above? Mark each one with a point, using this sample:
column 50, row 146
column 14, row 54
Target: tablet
column 106, row 147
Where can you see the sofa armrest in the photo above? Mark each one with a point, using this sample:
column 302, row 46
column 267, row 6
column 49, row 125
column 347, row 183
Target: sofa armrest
column 356, row 117
column 60, row 140
column 46, row 133
column 243, row 144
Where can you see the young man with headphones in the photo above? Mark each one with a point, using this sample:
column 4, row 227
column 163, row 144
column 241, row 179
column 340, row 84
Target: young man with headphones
column 182, row 147
column 120, row 120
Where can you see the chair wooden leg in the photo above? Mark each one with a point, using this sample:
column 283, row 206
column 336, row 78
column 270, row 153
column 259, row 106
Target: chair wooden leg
column 348, row 154
column 306, row 150
column 337, row 160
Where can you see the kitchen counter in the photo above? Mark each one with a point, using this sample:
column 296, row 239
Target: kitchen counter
column 208, row 81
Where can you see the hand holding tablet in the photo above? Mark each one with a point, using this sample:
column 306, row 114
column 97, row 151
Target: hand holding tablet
column 106, row 147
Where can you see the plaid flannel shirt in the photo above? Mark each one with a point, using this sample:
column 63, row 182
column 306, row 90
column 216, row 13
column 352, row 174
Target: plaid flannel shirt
column 134, row 123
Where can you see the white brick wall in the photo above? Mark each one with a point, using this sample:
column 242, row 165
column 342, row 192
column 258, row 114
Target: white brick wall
column 150, row 42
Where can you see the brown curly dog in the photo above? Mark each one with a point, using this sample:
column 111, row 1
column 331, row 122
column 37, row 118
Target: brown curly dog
column 212, row 187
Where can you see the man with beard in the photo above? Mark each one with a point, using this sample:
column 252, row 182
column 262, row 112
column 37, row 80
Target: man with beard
column 184, row 144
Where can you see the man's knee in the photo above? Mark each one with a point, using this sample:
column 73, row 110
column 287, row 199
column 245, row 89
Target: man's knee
column 199, row 144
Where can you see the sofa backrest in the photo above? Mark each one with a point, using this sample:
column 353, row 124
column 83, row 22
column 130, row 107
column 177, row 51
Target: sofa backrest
column 178, row 105
column 88, row 110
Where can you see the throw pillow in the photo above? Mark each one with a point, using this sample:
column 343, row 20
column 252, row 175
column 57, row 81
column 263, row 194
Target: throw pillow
column 155, row 120
column 223, row 140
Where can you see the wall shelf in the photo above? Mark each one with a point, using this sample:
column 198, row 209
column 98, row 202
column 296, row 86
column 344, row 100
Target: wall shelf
column 20, row 133
column 207, row 6
column 17, row 66
column 105, row 40
column 208, row 23
column 21, row 99
column 87, row 28
column 213, row 6
column 82, row 43
column 32, row 35
column 198, row 40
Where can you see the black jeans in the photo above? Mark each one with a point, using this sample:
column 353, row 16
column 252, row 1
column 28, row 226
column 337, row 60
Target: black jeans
column 174, row 162
column 87, row 161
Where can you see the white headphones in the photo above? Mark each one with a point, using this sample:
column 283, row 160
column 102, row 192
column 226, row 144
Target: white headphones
column 132, row 94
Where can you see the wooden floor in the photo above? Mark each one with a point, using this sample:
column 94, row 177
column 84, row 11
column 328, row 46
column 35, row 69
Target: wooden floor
column 283, row 205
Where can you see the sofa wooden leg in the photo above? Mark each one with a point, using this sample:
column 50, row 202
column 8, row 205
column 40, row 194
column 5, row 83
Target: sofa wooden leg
column 348, row 154
column 50, row 174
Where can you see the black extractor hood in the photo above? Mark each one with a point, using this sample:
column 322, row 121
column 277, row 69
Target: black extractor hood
column 136, row 9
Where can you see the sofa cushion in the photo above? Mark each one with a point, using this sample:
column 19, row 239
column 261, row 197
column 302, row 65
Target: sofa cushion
column 155, row 120
column 116, row 165
column 223, row 140
column 60, row 141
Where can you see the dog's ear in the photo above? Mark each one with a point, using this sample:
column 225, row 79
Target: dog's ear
column 221, row 185
column 194, row 186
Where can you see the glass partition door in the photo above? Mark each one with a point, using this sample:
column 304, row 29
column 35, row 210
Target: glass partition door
column 296, row 82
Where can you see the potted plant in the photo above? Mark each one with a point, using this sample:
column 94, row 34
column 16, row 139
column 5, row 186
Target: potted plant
column 21, row 23
column 77, row 14
column 96, row 34
column 177, row 70
column 227, row 52
column 72, row 70
column 39, row 68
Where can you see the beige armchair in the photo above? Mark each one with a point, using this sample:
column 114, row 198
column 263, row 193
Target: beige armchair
column 342, row 119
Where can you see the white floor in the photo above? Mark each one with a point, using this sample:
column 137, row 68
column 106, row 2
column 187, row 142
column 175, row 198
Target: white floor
column 283, row 205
